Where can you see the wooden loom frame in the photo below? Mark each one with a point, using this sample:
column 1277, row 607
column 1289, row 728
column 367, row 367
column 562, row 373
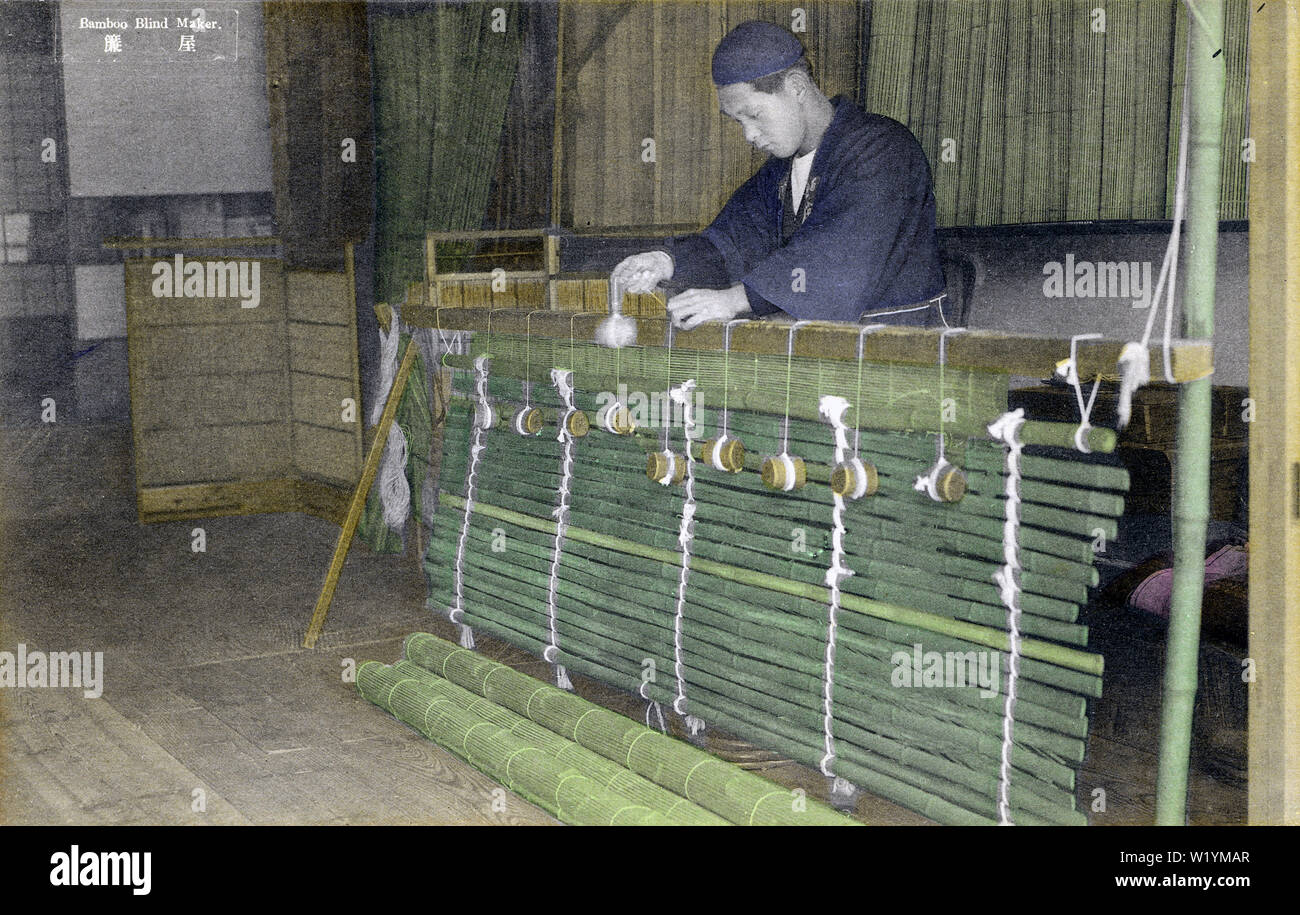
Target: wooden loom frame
column 1274, row 734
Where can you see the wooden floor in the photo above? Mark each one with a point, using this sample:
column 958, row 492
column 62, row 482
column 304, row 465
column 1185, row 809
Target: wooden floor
column 212, row 714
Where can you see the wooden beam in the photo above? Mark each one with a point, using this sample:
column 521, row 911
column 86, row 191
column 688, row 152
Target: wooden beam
column 249, row 241
column 1273, row 738
column 358, row 503
column 1016, row 354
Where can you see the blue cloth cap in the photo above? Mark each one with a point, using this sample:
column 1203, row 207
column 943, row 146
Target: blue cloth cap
column 752, row 50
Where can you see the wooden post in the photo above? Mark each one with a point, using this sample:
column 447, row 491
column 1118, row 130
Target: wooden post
column 1273, row 741
column 358, row 503
column 551, row 252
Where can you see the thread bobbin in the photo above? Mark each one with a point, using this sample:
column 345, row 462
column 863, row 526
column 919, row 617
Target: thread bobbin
column 615, row 418
column 665, row 467
column 577, row 424
column 528, row 421
column 854, row 479
column 784, row 472
column 727, row 454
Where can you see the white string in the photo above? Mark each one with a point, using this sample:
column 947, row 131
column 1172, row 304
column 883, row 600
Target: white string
column 785, row 422
column 483, row 419
column 833, row 409
column 1007, row 430
column 394, row 490
column 857, row 424
column 714, row 457
column 682, row 394
column 563, row 381
column 928, row 482
column 1070, row 369
column 1134, row 360
column 659, row 712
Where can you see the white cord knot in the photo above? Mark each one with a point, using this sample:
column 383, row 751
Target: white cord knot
column 1134, row 371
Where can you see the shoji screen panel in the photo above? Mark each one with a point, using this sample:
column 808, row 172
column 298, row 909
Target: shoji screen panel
column 236, row 409
column 326, row 400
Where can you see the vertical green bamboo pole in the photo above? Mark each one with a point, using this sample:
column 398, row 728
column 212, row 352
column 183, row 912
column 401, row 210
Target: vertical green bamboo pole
column 1191, row 491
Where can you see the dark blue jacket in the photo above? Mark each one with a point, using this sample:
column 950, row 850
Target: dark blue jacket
column 867, row 242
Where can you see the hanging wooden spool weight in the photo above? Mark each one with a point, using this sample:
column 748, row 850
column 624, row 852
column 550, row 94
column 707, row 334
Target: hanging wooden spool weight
column 577, row 424
column 725, row 453
column 784, row 473
column 614, row 417
column 665, row 467
column 853, row 479
column 528, row 421
column 943, row 482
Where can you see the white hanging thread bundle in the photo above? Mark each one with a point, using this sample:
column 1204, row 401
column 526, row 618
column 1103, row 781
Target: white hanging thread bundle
column 563, row 381
column 618, row 330
column 1135, row 358
column 928, row 482
column 682, row 395
column 484, row 418
column 394, row 490
column 833, row 410
column 1007, row 430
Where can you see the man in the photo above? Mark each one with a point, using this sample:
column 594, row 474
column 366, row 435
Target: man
column 837, row 225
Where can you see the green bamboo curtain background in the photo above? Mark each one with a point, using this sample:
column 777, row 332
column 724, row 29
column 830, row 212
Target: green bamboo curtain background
column 1050, row 120
column 442, row 79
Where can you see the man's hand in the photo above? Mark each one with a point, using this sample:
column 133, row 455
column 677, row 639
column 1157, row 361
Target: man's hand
column 641, row 273
column 696, row 306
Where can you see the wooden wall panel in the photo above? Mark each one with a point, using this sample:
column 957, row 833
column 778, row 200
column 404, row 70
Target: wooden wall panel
column 323, row 372
column 182, row 402
column 179, row 351
column 230, row 406
column 318, row 401
column 327, row 454
column 212, row 454
column 318, row 296
column 318, row 86
column 328, row 349
column 151, row 310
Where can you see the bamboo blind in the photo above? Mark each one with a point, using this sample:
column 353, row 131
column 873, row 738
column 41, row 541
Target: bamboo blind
column 1029, row 111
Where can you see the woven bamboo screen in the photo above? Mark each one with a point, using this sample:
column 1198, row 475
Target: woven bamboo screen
column 1038, row 111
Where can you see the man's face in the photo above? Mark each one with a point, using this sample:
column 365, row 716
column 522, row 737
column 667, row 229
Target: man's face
column 772, row 122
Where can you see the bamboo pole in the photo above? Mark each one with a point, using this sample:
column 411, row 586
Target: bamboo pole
column 359, row 494
column 997, row 351
column 1191, row 483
